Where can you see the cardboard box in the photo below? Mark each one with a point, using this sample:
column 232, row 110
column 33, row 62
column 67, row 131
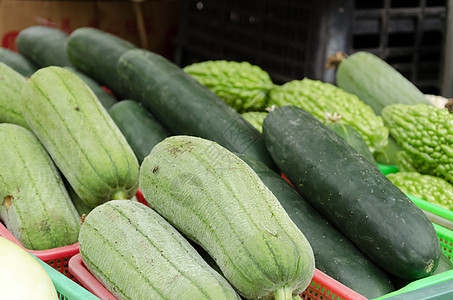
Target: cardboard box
column 158, row 20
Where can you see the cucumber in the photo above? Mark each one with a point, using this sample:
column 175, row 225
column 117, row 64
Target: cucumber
column 184, row 106
column 353, row 194
column 96, row 52
column 334, row 254
column 139, row 126
column 354, row 138
column 375, row 82
column 106, row 99
column 43, row 45
column 80, row 136
column 35, row 206
column 18, row 62
column 22, row 276
column 216, row 200
column 147, row 258
column 11, row 84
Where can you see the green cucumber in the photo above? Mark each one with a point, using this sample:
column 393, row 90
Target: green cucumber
column 80, row 136
column 147, row 258
column 334, row 254
column 11, row 84
column 184, row 106
column 17, row 61
column 43, row 45
column 34, row 204
column 352, row 193
column 375, row 82
column 106, row 99
column 354, row 138
column 139, row 126
column 96, row 52
column 216, row 200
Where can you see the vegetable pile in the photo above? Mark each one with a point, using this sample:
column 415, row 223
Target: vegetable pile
column 210, row 146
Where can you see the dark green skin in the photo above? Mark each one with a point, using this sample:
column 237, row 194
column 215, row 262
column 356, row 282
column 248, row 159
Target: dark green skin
column 352, row 193
column 334, row 254
column 43, row 45
column 17, row 62
column 184, row 106
column 96, row 52
column 139, row 127
column 354, row 138
column 106, row 99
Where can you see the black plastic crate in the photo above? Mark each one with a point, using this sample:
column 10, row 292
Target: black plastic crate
column 292, row 39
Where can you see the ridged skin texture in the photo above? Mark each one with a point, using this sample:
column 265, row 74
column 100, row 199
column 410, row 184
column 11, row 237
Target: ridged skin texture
column 352, row 193
column 137, row 254
column 80, row 136
column 430, row 188
column 324, row 99
column 11, row 83
column 255, row 118
column 35, row 205
column 243, row 86
column 218, row 201
column 375, row 82
column 425, row 133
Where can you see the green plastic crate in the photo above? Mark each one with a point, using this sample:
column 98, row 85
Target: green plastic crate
column 66, row 288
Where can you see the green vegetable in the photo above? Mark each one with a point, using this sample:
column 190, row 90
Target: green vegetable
column 80, row 136
column 430, row 188
column 354, row 138
column 326, row 101
column 35, row 206
column 352, row 193
column 243, row 86
column 11, row 83
column 215, row 199
column 425, row 133
column 184, row 106
column 43, row 45
column 146, row 257
column 255, row 118
column 335, row 254
column 96, row 53
column 17, row 61
column 139, row 127
column 375, row 82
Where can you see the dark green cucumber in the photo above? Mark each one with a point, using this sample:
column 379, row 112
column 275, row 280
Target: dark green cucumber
column 354, row 138
column 138, row 126
column 352, row 193
column 334, row 254
column 106, row 99
column 43, row 45
column 184, row 106
column 17, row 61
column 96, row 53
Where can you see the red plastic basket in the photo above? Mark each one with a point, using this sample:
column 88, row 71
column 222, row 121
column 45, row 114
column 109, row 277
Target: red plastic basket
column 58, row 258
column 321, row 287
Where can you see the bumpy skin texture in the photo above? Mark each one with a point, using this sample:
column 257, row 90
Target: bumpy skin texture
column 425, row 133
column 430, row 188
column 11, row 83
column 34, row 203
column 137, row 254
column 255, row 118
column 324, row 100
column 215, row 199
column 240, row 84
column 80, row 136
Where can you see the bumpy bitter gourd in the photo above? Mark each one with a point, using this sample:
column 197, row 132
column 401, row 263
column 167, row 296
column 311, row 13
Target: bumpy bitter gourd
column 255, row 118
